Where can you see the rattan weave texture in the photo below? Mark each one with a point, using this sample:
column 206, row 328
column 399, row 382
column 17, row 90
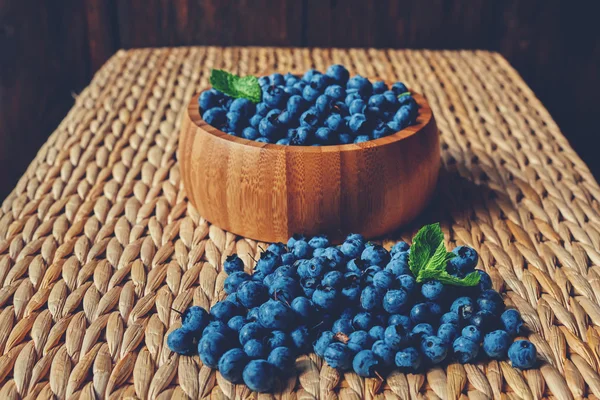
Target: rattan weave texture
column 98, row 242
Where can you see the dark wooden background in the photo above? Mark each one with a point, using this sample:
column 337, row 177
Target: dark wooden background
column 49, row 50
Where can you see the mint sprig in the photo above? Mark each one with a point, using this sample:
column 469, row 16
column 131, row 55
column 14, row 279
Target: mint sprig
column 246, row 87
column 403, row 94
column 428, row 258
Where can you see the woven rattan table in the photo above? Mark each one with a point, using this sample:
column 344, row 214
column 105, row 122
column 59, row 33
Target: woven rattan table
column 98, row 242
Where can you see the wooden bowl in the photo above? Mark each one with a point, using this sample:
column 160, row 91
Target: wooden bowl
column 268, row 192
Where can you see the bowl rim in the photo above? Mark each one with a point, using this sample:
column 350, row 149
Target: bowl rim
column 423, row 120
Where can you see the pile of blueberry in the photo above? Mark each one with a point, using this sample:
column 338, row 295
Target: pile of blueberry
column 313, row 110
column 357, row 306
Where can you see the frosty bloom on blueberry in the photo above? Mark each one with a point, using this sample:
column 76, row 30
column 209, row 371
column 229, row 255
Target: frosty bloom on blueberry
column 332, row 107
column 356, row 305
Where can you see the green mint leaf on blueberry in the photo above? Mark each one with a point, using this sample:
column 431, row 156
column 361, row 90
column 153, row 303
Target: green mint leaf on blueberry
column 403, row 94
column 246, row 87
column 428, row 258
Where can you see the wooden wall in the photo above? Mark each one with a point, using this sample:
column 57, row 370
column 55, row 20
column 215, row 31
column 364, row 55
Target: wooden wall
column 50, row 49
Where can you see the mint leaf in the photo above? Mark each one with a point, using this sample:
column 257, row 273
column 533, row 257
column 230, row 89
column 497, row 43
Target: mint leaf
column 403, row 94
column 246, row 87
column 471, row 279
column 425, row 245
column 429, row 258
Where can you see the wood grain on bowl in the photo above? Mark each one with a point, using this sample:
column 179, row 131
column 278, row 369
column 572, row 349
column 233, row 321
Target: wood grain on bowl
column 268, row 192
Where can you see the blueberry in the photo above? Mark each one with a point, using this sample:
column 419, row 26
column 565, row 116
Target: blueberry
column 434, row 349
column 461, row 301
column 303, row 307
column 450, row 318
column 490, row 300
column 350, row 97
column 343, row 325
column 211, row 347
column 255, row 349
column 371, row 298
column 384, row 352
column 363, row 321
column 288, row 258
column 284, row 288
column 359, row 84
column 423, row 329
column 263, row 140
column 407, row 282
column 209, row 99
column 310, row 94
column 215, row 116
column 301, row 339
column 324, row 135
column 338, row 74
column 313, row 268
column 285, row 118
column 395, row 301
column 236, row 323
column 295, row 237
column 362, row 139
column 334, row 279
column 435, row 310
column 383, row 280
column 399, row 319
column 399, row 88
column 301, row 136
column 285, row 271
column 398, row 265
column 511, row 321
column 376, row 255
column 267, row 128
column 336, row 92
column 325, row 297
column 361, row 338
column 464, row 262
column 277, row 339
column 252, row 314
column 395, row 336
column 338, row 355
column 334, row 255
column 485, row 281
column 358, row 266
column 334, row 122
column 321, row 344
column 352, row 248
column 484, row 320
column 252, row 294
column 403, row 118
column 377, row 332
column 357, row 123
column 252, row 330
column 365, row 363
column 447, row 332
column 357, row 106
column 225, row 310
column 465, row 350
column 251, row 133
column 275, row 315
column 351, row 292
column 432, row 290
column 216, row 327
column 268, row 262
column 420, row 313
column 195, row 319
column 181, row 341
column 309, row 285
column 268, row 279
column 308, row 75
column 319, row 241
column 259, row 376
column 276, row 79
column 283, row 359
column 296, row 105
column 408, row 358
column 274, row 96
column 231, row 364
column 472, row 333
column 522, row 354
column 243, row 106
column 395, row 126
column 495, row 344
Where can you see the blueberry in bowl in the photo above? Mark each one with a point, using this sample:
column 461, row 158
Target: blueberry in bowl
column 318, row 152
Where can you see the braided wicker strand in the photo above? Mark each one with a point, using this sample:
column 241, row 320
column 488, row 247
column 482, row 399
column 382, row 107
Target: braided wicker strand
column 98, row 243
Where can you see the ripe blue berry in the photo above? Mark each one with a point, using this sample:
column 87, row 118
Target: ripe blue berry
column 195, row 319
column 211, row 347
column 325, row 297
column 472, row 333
column 231, row 364
column 361, row 338
column 252, row 294
column 465, row 261
column 255, row 349
column 234, row 280
column 321, row 344
column 284, row 288
column 461, row 301
column 357, row 123
column 343, row 325
column 277, row 339
column 301, row 249
column 511, row 321
column 465, row 350
column 295, row 237
column 432, row 290
column 447, row 332
column 303, row 308
column 407, row 282
column 301, row 339
column 259, row 375
column 408, row 359
column 283, row 359
column 450, row 318
column 420, row 313
column 333, row 279
column 383, row 280
column 363, row 321
column 371, row 298
column 377, row 332
column 338, row 74
column 225, row 310
column 338, row 355
column 395, row 336
column 522, row 354
column 252, row 330
column 233, row 264
column 395, row 301
column 376, row 255
column 181, row 341
column 423, row 329
column 319, row 241
column 384, row 352
column 236, row 323
column 365, row 363
column 275, row 315
column 495, row 344
column 434, row 349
